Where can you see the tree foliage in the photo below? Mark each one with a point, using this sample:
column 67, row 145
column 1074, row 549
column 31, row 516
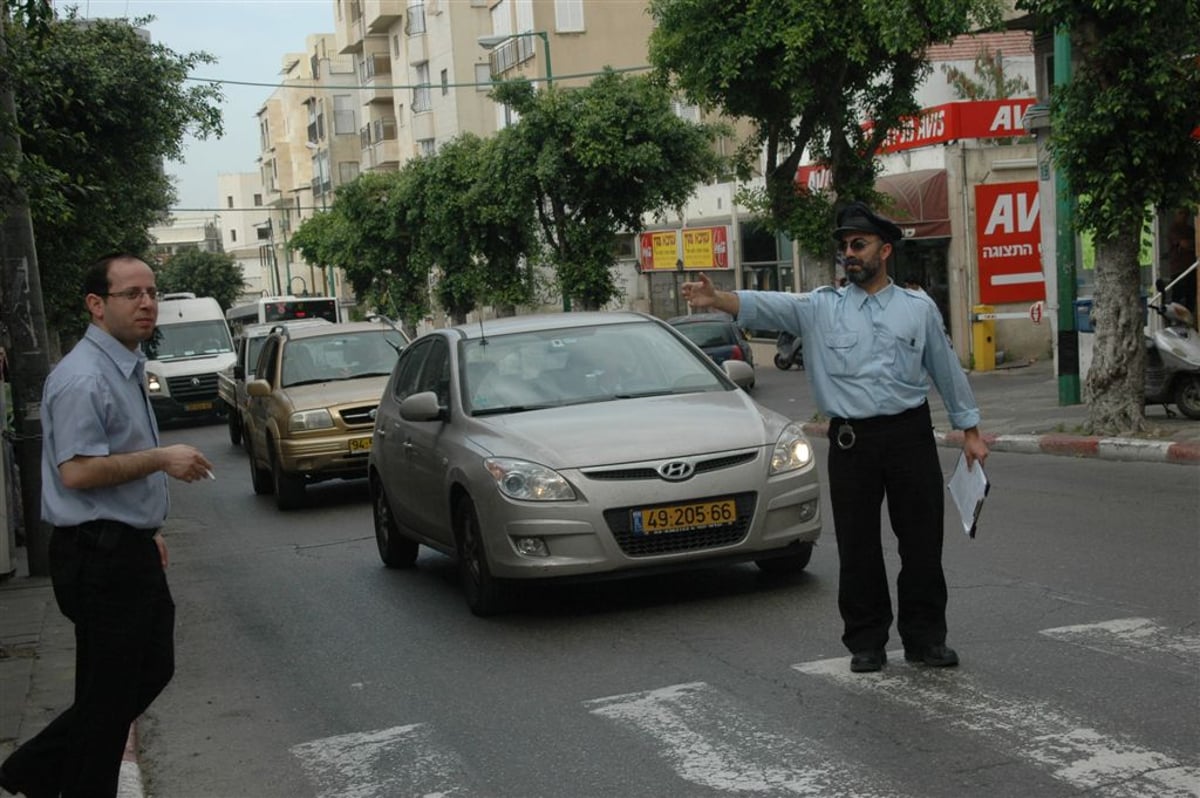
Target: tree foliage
column 989, row 82
column 99, row 108
column 807, row 73
column 1121, row 134
column 593, row 161
column 214, row 274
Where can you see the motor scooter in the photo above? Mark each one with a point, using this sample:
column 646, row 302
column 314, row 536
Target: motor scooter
column 1173, row 360
column 789, row 351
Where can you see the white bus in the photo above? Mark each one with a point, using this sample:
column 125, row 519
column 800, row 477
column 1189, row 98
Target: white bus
column 281, row 308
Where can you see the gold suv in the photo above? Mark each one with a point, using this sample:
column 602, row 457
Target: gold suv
column 311, row 407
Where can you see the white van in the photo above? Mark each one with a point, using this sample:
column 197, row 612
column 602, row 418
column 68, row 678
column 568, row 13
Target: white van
column 189, row 346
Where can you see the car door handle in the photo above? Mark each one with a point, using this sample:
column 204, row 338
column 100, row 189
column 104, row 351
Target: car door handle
column 381, row 432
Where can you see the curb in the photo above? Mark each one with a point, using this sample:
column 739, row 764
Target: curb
column 1125, row 449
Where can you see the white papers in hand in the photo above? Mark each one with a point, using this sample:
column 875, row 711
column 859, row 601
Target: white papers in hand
column 968, row 487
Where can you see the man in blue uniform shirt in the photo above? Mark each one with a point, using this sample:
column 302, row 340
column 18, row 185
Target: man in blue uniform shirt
column 104, row 488
column 871, row 350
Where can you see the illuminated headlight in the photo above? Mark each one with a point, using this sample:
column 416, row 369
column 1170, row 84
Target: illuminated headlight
column 792, row 450
column 519, row 479
column 153, row 384
column 310, row 419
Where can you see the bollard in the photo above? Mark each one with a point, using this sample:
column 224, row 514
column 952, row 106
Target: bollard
column 983, row 337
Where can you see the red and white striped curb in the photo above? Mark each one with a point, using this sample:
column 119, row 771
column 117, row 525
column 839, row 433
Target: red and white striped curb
column 1131, row 449
column 130, row 784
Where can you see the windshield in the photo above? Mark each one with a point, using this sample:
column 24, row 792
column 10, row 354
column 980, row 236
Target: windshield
column 708, row 334
column 348, row 356
column 577, row 365
column 188, row 339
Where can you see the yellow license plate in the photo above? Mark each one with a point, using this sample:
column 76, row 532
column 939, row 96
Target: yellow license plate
column 358, row 445
column 684, row 517
column 192, row 407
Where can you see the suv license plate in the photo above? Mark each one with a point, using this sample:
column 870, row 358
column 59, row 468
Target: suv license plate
column 192, row 407
column 358, row 445
column 684, row 517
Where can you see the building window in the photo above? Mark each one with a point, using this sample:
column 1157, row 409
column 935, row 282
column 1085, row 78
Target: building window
column 258, row 200
column 396, row 45
column 228, row 202
column 421, row 100
column 483, row 77
column 343, row 114
column 568, row 16
column 426, row 147
column 233, row 236
column 415, row 24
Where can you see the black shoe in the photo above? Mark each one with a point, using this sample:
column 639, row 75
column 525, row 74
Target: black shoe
column 868, row 661
column 937, row 655
column 7, row 784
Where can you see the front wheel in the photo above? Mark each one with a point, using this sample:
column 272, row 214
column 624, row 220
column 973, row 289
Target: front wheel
column 289, row 488
column 235, row 425
column 782, row 363
column 1187, row 396
column 395, row 550
column 484, row 593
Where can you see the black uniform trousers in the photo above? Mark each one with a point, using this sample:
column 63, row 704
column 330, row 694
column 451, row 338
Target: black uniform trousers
column 109, row 581
column 896, row 457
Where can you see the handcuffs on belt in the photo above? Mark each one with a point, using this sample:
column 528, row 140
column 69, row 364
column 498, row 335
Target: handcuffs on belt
column 845, row 436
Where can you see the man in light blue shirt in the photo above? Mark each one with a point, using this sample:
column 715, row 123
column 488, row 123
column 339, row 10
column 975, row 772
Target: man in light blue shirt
column 872, row 351
column 104, row 488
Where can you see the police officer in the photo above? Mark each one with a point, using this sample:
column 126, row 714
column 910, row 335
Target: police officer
column 872, row 350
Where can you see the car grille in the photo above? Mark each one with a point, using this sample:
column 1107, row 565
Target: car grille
column 645, row 472
column 363, row 415
column 183, row 390
column 649, row 545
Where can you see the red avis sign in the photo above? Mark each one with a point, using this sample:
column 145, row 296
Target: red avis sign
column 1008, row 243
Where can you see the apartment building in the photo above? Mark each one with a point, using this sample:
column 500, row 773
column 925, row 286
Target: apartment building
column 308, row 145
column 185, row 232
column 244, row 232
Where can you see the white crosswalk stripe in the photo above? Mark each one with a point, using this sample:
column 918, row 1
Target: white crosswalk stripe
column 712, row 742
column 1138, row 639
column 363, row 765
column 1112, row 766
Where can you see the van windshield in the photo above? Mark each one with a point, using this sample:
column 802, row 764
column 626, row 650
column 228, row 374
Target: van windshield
column 188, row 339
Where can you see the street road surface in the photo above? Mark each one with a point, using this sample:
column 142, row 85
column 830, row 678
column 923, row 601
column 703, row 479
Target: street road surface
column 305, row 668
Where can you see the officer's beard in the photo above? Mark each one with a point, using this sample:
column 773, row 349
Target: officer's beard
column 866, row 271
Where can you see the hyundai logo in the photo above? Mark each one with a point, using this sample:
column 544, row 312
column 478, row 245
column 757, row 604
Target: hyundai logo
column 676, row 470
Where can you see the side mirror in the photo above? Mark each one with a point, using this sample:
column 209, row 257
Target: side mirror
column 258, row 388
column 422, row 407
column 741, row 372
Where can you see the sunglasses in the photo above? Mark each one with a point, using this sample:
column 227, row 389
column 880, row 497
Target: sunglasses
column 855, row 245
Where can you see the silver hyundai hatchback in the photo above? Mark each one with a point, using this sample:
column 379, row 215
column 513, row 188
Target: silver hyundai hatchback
column 583, row 445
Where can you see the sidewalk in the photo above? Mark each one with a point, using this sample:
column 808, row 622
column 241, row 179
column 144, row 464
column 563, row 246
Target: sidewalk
column 1020, row 414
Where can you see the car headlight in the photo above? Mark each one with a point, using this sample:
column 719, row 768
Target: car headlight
column 310, row 419
column 153, row 384
column 520, row 479
column 792, row 450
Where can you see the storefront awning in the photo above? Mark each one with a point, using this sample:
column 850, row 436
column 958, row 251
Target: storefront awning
column 919, row 202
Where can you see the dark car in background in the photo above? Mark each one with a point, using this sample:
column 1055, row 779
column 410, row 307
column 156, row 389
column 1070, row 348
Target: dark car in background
column 718, row 335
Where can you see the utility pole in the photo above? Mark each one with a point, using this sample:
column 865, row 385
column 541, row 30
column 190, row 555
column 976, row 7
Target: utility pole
column 1068, row 334
column 24, row 318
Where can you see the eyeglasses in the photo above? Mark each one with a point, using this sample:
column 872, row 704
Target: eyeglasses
column 134, row 294
column 855, row 245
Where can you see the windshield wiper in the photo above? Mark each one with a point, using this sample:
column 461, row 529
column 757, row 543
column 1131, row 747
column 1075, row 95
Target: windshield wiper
column 492, row 411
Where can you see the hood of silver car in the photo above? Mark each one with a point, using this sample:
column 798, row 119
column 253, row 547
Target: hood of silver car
column 629, row 430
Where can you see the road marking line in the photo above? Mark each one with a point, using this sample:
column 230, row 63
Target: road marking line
column 1132, row 639
column 709, row 741
column 402, row 760
column 1108, row 765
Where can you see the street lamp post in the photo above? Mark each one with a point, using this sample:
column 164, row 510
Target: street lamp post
column 321, row 178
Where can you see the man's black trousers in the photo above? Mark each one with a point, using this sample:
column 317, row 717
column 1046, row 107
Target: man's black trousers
column 109, row 581
column 896, row 457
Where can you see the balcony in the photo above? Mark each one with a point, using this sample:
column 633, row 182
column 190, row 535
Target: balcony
column 376, row 72
column 351, row 29
column 380, row 146
column 379, row 15
column 511, row 53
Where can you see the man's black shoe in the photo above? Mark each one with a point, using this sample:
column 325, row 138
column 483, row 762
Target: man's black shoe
column 867, row 661
column 937, row 655
column 7, row 784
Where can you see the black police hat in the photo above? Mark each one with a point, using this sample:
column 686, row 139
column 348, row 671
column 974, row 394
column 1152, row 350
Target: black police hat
column 858, row 218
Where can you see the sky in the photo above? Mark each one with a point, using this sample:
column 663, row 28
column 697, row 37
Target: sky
column 249, row 39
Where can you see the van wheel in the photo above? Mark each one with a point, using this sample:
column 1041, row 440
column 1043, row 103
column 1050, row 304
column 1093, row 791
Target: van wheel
column 289, row 488
column 235, row 425
column 485, row 595
column 1187, row 396
column 395, row 550
column 260, row 478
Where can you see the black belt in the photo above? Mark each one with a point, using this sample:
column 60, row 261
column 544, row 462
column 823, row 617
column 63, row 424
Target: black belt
column 844, row 431
column 106, row 535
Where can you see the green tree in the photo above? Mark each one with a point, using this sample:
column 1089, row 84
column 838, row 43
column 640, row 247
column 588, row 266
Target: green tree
column 989, row 81
column 213, row 274
column 99, row 108
column 808, row 73
column 591, row 162
column 322, row 239
column 1121, row 133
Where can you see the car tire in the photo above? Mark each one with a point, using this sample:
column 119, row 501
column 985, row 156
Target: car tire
column 782, row 363
column 260, row 478
column 289, row 489
column 1187, row 396
column 235, row 425
column 484, row 593
column 395, row 550
column 788, row 564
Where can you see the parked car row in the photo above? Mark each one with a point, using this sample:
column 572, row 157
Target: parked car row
column 565, row 446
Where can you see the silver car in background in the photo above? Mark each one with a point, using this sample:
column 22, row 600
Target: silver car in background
column 583, row 445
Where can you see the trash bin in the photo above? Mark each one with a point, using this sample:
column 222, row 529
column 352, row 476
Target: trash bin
column 983, row 337
column 1083, row 315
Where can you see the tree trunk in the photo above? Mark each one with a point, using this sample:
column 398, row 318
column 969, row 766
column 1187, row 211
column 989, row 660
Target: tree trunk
column 1115, row 382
